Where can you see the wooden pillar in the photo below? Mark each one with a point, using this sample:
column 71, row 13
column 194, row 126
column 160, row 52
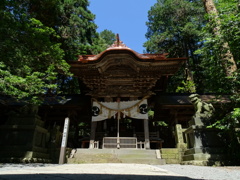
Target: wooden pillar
column 92, row 136
column 106, row 99
column 118, row 119
column 146, row 134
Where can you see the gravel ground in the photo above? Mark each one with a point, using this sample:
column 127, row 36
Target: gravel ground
column 116, row 171
column 205, row 172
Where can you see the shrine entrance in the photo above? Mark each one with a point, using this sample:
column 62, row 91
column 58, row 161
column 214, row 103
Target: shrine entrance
column 117, row 119
column 127, row 127
column 131, row 133
column 120, row 82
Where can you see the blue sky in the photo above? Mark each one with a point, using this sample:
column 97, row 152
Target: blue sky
column 126, row 17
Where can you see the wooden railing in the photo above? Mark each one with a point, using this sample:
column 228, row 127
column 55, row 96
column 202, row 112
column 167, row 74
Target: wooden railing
column 153, row 138
column 125, row 142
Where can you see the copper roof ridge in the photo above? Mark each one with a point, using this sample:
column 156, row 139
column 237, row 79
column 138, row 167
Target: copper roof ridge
column 119, row 45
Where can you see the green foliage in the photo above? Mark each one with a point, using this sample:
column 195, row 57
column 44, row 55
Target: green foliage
column 187, row 87
column 78, row 29
column 151, row 114
column 174, row 27
column 108, row 36
column 155, row 123
column 180, row 28
column 36, row 37
column 229, row 124
column 30, row 61
column 235, row 115
column 74, row 24
column 160, row 123
column 230, row 24
column 227, row 117
column 71, row 20
column 230, row 121
column 215, row 79
column 103, row 40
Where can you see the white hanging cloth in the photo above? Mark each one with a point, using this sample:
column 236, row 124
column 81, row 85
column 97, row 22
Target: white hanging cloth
column 100, row 112
column 137, row 109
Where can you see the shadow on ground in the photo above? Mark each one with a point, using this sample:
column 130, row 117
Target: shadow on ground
column 88, row 177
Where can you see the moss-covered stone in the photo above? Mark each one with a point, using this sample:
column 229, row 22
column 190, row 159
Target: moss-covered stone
column 169, row 150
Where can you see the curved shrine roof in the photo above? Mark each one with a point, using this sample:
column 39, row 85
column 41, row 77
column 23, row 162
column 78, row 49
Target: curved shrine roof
column 122, row 72
column 119, row 47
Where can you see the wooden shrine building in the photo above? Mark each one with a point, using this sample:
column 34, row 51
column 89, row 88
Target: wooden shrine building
column 122, row 77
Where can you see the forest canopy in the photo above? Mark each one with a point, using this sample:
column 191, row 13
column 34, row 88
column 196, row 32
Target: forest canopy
column 37, row 37
column 208, row 33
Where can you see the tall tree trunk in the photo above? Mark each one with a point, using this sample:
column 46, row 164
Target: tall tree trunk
column 227, row 58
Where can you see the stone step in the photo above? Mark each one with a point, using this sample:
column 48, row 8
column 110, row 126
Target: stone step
column 145, row 161
column 116, row 156
column 118, row 153
column 171, row 155
column 169, row 151
column 90, row 160
column 94, row 158
column 172, row 161
column 115, row 151
column 137, row 156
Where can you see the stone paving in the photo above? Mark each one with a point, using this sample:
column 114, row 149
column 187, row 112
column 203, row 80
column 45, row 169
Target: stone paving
column 86, row 172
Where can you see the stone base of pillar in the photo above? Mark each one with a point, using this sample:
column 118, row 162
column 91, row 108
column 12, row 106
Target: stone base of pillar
column 146, row 134
column 91, row 144
column 92, row 136
column 147, row 144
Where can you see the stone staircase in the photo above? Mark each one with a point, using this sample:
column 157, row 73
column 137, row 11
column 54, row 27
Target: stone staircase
column 171, row 155
column 138, row 156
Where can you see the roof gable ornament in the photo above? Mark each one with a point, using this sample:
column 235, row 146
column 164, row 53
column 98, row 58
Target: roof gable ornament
column 118, row 43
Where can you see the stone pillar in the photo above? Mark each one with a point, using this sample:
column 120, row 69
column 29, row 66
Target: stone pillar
column 64, row 141
column 146, row 134
column 92, row 136
column 181, row 146
column 179, row 137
